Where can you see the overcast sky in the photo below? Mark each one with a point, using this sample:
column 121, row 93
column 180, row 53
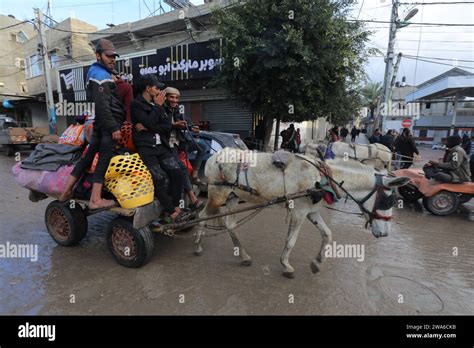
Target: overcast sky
column 448, row 43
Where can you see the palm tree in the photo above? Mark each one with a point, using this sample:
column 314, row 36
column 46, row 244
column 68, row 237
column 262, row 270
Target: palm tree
column 371, row 94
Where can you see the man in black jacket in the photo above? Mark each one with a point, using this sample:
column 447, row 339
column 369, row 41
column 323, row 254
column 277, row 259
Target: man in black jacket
column 151, row 137
column 406, row 146
column 180, row 137
column 109, row 116
column 388, row 140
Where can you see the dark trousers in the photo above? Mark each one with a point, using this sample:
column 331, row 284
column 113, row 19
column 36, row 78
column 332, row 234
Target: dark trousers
column 187, row 186
column 405, row 165
column 353, row 137
column 437, row 174
column 102, row 143
column 167, row 175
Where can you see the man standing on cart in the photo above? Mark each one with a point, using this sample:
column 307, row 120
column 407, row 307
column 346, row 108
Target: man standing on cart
column 109, row 116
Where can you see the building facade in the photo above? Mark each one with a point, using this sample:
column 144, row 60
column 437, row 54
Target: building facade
column 65, row 43
column 439, row 107
column 14, row 91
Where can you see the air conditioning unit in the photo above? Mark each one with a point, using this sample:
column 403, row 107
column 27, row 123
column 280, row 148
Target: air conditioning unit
column 20, row 63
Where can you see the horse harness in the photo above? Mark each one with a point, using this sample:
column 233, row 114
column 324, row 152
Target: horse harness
column 241, row 167
column 382, row 200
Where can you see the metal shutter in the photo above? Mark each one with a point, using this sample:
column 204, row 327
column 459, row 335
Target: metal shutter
column 227, row 116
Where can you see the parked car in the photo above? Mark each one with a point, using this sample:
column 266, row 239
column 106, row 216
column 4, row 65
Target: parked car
column 216, row 141
column 12, row 137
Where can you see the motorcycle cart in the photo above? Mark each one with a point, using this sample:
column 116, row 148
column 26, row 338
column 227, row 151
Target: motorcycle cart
column 438, row 198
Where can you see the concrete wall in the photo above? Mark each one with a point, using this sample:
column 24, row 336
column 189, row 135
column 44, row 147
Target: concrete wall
column 39, row 116
column 13, row 77
column 66, row 43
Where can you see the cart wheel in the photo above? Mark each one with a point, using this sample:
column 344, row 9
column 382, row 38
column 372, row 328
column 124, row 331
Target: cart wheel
column 10, row 150
column 443, row 203
column 65, row 225
column 130, row 247
column 410, row 193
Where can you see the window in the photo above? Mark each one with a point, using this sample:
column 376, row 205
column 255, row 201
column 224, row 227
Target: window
column 423, row 133
column 428, row 105
column 54, row 59
column 21, row 37
column 34, row 67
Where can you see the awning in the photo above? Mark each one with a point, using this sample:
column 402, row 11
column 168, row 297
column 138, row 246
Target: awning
column 447, row 87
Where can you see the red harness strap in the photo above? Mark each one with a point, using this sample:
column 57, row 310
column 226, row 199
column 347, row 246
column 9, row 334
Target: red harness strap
column 377, row 216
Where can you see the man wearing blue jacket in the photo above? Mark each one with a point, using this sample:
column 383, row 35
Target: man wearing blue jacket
column 109, row 116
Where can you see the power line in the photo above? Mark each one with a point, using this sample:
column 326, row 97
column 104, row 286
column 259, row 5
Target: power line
column 360, row 10
column 437, row 3
column 450, row 41
column 437, row 58
column 446, row 64
column 428, row 49
column 413, row 23
column 418, row 49
column 14, row 25
column 12, row 73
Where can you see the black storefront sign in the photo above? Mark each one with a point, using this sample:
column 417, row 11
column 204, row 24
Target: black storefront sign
column 184, row 62
column 196, row 61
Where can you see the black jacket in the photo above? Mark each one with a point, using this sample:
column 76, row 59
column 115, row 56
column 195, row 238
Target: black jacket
column 102, row 91
column 173, row 113
column 154, row 119
column 406, row 146
column 388, row 141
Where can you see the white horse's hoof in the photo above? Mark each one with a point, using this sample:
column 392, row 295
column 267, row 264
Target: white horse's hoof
column 246, row 263
column 289, row 275
column 198, row 252
column 315, row 267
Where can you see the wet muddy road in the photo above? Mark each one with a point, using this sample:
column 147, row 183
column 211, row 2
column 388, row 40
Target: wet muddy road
column 425, row 266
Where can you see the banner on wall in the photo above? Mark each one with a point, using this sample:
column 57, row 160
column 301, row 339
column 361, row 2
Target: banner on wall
column 194, row 61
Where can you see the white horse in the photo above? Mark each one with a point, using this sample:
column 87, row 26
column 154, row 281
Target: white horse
column 377, row 155
column 269, row 182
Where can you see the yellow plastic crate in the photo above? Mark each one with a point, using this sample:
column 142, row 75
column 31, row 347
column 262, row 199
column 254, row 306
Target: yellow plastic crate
column 129, row 180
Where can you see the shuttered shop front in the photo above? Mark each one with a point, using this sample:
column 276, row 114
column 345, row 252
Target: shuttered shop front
column 227, row 116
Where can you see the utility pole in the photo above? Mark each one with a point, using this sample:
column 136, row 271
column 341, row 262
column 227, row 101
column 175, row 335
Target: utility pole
column 453, row 121
column 380, row 122
column 43, row 51
column 392, row 84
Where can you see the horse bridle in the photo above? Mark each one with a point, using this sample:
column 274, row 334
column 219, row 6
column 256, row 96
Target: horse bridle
column 382, row 200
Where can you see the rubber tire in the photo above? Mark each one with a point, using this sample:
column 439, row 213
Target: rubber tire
column 143, row 238
column 410, row 193
column 429, row 203
column 9, row 150
column 76, row 219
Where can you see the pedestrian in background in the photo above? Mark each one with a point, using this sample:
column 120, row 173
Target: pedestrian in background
column 344, row 132
column 405, row 145
column 354, row 133
column 375, row 138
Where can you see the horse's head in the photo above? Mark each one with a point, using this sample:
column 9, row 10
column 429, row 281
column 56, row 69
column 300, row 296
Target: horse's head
column 378, row 204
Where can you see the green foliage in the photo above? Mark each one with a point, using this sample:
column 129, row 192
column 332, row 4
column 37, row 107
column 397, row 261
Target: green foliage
column 298, row 53
column 371, row 94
